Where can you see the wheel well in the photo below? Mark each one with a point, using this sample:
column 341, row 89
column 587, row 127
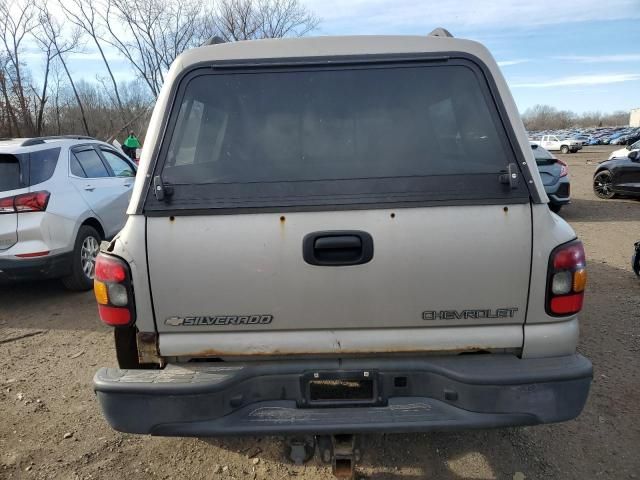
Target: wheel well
column 92, row 222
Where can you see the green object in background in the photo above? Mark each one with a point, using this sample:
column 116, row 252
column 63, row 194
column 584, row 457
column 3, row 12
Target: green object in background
column 132, row 142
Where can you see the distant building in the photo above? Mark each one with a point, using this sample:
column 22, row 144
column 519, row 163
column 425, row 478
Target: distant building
column 634, row 118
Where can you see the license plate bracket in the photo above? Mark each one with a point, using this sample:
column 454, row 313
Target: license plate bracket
column 341, row 388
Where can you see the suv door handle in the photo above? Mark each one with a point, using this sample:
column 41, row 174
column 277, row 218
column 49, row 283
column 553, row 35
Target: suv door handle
column 89, row 188
column 337, row 248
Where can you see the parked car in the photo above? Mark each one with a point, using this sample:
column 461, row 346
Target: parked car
column 620, row 175
column 623, row 152
column 635, row 259
column 555, row 177
column 307, row 253
column 59, row 197
column 557, row 144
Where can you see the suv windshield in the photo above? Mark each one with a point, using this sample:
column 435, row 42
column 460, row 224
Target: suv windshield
column 349, row 123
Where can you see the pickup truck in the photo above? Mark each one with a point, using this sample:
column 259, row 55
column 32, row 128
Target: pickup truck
column 556, row 144
column 338, row 235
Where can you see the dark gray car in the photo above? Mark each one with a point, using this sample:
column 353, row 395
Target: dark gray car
column 555, row 177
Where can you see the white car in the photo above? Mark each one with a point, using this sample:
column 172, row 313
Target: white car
column 553, row 143
column 623, row 152
column 59, row 197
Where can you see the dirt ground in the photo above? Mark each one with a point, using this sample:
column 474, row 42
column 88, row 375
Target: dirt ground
column 51, row 343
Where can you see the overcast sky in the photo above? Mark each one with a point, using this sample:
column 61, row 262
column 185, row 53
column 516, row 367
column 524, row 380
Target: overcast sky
column 573, row 54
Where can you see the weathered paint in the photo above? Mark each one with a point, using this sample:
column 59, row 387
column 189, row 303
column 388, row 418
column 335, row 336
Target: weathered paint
column 341, row 342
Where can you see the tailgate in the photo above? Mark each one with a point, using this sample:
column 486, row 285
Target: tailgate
column 342, row 202
column 431, row 266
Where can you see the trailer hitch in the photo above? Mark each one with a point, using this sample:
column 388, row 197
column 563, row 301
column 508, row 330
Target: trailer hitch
column 341, row 451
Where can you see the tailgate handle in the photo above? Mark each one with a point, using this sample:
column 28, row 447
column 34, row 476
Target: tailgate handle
column 337, row 248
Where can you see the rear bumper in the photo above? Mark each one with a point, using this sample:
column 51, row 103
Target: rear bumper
column 53, row 266
column 560, row 192
column 264, row 398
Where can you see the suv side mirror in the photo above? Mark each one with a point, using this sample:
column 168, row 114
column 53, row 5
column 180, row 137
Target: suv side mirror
column 633, row 156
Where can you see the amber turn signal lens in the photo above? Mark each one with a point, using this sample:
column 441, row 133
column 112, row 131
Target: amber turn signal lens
column 579, row 280
column 100, row 290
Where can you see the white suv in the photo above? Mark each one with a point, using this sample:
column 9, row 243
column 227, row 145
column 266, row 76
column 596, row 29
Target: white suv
column 59, row 197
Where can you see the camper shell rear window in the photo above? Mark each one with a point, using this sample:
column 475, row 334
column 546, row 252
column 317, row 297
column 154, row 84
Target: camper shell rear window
column 334, row 136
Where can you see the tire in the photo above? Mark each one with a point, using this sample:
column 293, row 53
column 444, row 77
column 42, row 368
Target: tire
column 555, row 208
column 85, row 251
column 602, row 184
column 564, row 149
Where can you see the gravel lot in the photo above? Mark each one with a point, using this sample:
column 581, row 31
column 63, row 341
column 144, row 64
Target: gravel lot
column 51, row 343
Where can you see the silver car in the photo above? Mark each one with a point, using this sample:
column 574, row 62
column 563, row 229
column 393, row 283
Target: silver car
column 59, row 197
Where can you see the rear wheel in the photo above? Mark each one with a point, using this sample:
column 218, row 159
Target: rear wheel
column 564, row 149
column 602, row 185
column 85, row 252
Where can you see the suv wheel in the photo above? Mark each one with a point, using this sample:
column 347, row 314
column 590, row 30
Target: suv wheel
column 602, row 185
column 83, row 264
column 564, row 149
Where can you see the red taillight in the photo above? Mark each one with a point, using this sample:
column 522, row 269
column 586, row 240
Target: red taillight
column 110, row 269
column 27, row 202
column 6, row 205
column 114, row 316
column 568, row 304
column 566, row 257
column 564, row 168
column 567, row 277
column 112, row 288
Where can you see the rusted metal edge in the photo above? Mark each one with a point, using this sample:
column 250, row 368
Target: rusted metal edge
column 148, row 351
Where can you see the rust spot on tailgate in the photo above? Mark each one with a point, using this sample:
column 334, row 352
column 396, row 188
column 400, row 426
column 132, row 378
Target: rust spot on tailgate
column 148, row 348
column 248, row 352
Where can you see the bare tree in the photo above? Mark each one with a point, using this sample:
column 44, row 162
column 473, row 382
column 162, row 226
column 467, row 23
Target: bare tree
column 157, row 32
column 253, row 19
column 546, row 117
column 10, row 120
column 50, row 53
column 17, row 20
column 84, row 15
column 52, row 30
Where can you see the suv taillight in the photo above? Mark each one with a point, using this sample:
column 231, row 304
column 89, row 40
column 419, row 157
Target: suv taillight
column 566, row 279
column 112, row 288
column 27, row 202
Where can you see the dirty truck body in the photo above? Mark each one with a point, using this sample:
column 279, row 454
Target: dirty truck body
column 340, row 235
